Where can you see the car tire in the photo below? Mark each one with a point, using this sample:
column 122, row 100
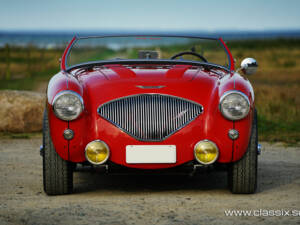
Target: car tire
column 242, row 175
column 57, row 173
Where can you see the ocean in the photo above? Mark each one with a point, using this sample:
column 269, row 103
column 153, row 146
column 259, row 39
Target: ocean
column 54, row 39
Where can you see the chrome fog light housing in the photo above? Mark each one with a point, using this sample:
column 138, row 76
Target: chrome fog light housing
column 206, row 152
column 97, row 152
column 67, row 105
column 234, row 105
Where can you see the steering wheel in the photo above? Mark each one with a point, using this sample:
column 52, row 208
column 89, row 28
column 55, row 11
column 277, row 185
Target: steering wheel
column 189, row 53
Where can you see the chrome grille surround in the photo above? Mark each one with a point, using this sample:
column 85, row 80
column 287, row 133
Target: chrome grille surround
column 150, row 117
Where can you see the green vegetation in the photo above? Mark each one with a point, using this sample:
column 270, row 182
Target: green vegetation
column 276, row 84
column 23, row 68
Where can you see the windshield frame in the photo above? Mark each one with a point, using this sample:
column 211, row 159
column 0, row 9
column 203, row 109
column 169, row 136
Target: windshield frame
column 65, row 67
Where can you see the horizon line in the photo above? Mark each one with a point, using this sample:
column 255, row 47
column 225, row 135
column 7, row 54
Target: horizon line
column 149, row 30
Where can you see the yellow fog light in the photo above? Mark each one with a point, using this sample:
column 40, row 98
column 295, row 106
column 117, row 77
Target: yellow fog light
column 97, row 152
column 206, row 152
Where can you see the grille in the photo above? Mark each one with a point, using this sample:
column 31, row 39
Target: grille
column 150, row 117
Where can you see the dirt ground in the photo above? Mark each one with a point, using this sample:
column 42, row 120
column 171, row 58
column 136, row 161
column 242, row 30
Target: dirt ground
column 139, row 199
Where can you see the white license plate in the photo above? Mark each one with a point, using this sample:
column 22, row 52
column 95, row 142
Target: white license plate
column 151, row 154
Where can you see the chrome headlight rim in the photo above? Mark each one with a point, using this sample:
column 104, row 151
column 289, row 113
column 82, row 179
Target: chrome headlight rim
column 70, row 92
column 234, row 92
column 106, row 158
column 211, row 142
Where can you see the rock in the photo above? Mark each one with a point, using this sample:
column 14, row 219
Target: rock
column 21, row 111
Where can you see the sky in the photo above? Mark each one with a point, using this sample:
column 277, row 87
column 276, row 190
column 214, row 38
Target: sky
column 160, row 15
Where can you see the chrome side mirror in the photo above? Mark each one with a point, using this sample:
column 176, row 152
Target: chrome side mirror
column 249, row 66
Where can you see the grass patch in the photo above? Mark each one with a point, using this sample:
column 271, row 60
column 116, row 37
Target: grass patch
column 282, row 131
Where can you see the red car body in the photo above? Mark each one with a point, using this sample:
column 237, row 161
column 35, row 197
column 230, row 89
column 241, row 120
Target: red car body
column 108, row 82
column 180, row 80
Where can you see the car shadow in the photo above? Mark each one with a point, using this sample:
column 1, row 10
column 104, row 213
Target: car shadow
column 270, row 176
column 91, row 181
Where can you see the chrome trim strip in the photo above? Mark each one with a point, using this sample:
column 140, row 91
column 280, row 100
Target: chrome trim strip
column 166, row 124
column 150, row 87
column 149, row 35
column 146, row 62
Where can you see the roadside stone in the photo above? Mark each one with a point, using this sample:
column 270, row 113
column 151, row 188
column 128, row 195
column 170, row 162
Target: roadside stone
column 21, row 111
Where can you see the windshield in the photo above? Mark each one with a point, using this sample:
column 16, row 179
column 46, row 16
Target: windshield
column 147, row 48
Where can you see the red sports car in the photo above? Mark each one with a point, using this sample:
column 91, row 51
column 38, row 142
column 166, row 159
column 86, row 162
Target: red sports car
column 150, row 103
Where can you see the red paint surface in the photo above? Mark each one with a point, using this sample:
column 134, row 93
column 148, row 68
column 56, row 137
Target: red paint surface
column 177, row 71
column 64, row 56
column 110, row 82
column 229, row 54
column 105, row 84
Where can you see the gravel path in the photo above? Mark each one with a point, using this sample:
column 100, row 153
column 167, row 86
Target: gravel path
column 136, row 199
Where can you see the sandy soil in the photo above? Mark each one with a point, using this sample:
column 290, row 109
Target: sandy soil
column 136, row 199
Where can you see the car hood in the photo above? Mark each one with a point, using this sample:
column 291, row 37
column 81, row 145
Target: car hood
column 102, row 84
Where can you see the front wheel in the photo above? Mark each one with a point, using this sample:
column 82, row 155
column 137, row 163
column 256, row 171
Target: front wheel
column 57, row 173
column 242, row 175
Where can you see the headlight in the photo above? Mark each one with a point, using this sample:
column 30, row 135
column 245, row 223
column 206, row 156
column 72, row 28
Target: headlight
column 234, row 105
column 67, row 105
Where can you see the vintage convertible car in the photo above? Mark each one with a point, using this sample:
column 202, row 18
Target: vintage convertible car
column 150, row 103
